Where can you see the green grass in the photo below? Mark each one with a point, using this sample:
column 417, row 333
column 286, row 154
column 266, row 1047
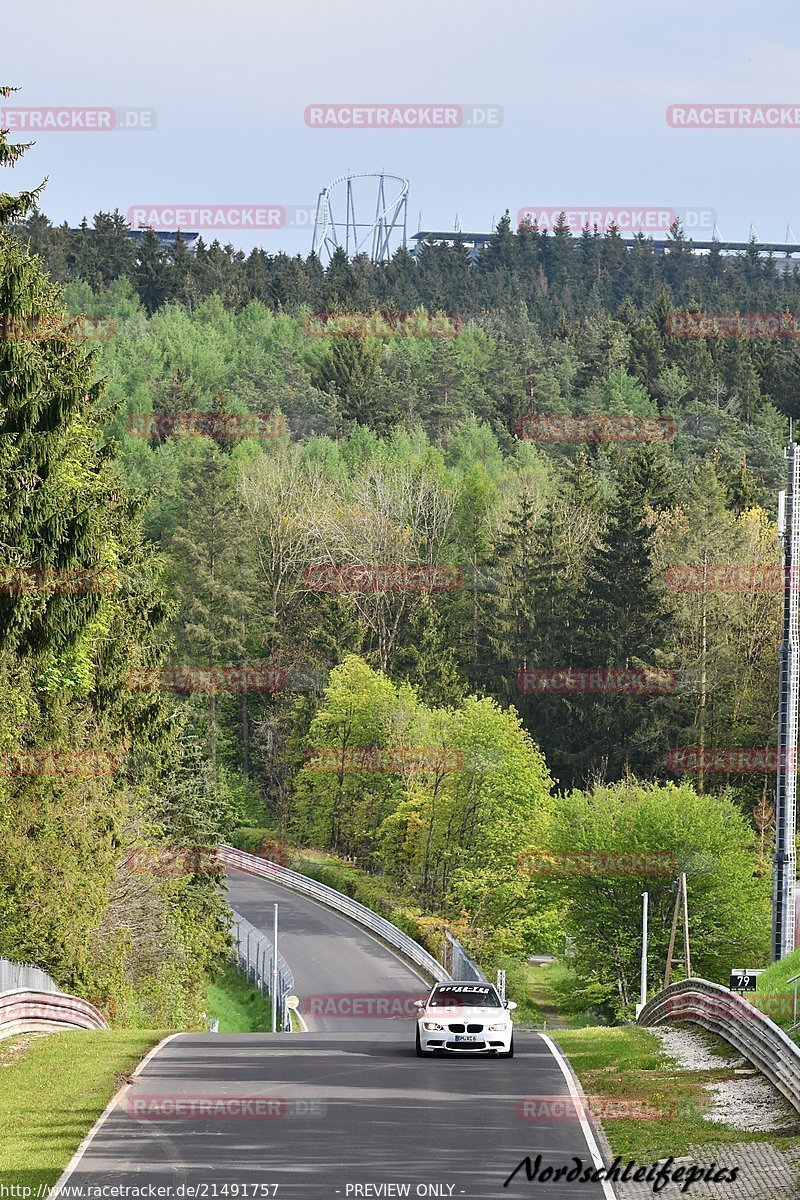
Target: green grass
column 547, row 993
column 775, row 978
column 773, row 994
column 627, row 1063
column 52, row 1089
column 237, row 1006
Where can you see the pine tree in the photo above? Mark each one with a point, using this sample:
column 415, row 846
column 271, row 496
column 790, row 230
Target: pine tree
column 208, row 579
column 349, row 371
column 15, row 208
column 623, row 623
column 151, row 272
column 510, row 627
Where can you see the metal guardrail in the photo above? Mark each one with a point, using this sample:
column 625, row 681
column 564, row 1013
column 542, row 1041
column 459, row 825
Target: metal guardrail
column 461, row 965
column 16, row 975
column 730, row 1016
column 26, row 1009
column 254, row 958
column 384, row 929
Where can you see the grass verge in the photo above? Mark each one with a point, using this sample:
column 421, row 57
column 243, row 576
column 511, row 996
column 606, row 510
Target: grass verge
column 627, row 1063
column 548, row 993
column 237, row 1006
column 53, row 1088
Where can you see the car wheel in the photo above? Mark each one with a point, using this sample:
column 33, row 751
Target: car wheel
column 509, row 1053
column 420, row 1051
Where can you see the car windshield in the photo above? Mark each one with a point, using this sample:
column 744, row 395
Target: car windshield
column 468, row 995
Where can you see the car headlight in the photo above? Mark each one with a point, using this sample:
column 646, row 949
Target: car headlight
column 430, row 1026
column 498, row 1028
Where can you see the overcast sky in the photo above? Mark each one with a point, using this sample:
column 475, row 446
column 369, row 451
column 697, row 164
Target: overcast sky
column 584, row 88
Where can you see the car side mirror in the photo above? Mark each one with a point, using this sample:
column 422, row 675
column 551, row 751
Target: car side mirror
column 419, row 1004
column 510, row 1005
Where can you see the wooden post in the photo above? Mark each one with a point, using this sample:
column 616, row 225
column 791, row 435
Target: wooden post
column 672, row 935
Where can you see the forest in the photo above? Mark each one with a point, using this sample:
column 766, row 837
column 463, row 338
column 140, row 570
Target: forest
column 448, row 602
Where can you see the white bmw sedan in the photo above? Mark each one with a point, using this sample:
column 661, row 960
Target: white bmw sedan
column 461, row 1017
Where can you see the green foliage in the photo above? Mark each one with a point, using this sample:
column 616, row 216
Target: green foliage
column 673, row 830
column 398, row 452
column 72, row 901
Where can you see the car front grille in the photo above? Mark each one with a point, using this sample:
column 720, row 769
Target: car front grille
column 474, row 1029
column 465, row 1045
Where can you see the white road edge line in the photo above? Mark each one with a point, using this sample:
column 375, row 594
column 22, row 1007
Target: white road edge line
column 74, row 1162
column 300, row 1020
column 591, row 1142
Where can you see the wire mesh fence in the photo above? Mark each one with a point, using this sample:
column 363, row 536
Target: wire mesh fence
column 254, row 953
column 15, row 975
column 460, row 964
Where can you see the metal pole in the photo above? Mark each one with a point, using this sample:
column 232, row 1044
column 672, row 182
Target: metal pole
column 687, row 961
column 784, row 864
column 643, row 990
column 274, row 987
column 701, row 720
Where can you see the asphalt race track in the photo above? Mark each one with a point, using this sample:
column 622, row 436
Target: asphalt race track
column 330, row 957
column 326, row 1113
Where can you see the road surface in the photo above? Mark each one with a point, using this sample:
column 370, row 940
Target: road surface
column 345, row 1110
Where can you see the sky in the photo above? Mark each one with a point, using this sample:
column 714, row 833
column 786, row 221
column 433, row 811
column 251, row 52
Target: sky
column 584, row 90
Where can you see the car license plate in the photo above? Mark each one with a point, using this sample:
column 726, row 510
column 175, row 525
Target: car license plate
column 466, row 1037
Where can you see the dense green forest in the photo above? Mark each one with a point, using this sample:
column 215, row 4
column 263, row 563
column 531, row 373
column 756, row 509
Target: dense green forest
column 400, row 453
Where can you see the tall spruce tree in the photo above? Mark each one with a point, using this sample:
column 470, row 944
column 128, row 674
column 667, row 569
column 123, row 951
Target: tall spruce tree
column 82, row 750
column 623, row 623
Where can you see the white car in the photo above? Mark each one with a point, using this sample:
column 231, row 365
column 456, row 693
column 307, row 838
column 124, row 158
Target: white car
column 462, row 1017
